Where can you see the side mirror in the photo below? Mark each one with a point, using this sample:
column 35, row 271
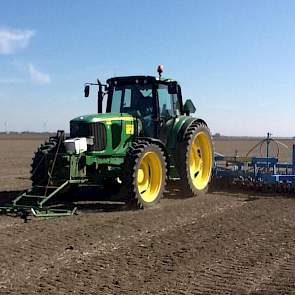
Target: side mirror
column 172, row 87
column 86, row 91
column 189, row 107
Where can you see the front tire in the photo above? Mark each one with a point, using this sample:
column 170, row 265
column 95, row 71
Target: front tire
column 39, row 173
column 145, row 177
column 195, row 159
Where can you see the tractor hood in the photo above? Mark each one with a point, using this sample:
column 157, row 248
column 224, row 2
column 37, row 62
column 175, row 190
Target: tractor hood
column 109, row 131
column 106, row 117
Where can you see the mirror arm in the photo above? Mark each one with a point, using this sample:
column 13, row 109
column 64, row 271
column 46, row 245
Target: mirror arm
column 100, row 94
column 97, row 84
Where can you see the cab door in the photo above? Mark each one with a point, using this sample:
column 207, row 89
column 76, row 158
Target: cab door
column 169, row 109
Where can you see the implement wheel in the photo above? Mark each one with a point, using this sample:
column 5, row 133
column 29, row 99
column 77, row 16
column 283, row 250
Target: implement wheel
column 195, row 159
column 145, row 177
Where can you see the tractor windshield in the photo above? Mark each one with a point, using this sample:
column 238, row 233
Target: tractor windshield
column 134, row 99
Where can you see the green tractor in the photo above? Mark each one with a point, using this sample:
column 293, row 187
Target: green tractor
column 145, row 137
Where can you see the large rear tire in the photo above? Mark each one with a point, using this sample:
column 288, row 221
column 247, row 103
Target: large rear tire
column 145, row 174
column 195, row 159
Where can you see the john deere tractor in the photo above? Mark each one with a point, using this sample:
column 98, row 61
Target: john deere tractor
column 145, row 136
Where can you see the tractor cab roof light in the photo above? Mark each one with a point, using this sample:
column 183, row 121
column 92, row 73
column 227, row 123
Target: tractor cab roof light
column 160, row 70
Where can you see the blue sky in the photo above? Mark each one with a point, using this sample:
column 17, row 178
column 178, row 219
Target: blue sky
column 235, row 59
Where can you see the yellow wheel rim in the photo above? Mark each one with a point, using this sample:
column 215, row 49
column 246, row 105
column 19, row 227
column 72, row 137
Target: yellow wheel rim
column 200, row 160
column 149, row 177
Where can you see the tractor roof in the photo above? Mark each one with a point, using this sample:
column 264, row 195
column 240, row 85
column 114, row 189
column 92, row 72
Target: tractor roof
column 132, row 79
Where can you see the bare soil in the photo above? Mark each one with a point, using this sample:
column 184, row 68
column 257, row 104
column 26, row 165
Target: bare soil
column 221, row 243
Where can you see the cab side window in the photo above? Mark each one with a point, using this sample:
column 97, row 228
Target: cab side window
column 176, row 105
column 166, row 101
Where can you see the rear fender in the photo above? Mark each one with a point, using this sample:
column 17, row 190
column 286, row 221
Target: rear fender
column 179, row 129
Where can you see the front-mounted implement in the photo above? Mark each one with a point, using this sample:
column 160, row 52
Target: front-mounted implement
column 37, row 200
column 41, row 198
column 145, row 136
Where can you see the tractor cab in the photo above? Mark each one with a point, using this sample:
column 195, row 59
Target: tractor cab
column 154, row 101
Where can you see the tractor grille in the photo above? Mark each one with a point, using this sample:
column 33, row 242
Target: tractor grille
column 98, row 130
column 95, row 130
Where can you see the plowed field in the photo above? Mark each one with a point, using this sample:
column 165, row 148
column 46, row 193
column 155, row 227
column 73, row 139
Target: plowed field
column 220, row 243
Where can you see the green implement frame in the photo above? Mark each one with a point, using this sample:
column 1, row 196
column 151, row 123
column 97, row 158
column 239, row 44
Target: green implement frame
column 37, row 204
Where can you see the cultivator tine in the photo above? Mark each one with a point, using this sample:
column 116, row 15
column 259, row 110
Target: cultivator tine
column 23, row 214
